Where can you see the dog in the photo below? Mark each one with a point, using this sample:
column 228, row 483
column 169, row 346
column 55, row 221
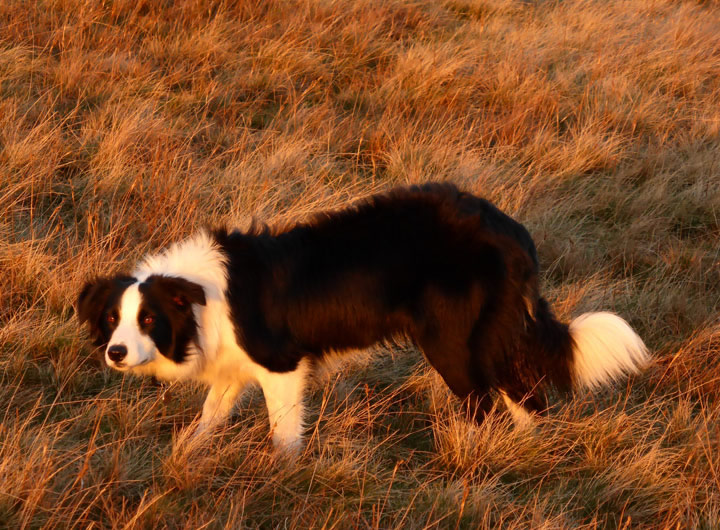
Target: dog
column 432, row 264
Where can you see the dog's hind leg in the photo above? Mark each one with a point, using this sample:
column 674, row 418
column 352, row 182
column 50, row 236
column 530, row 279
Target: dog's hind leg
column 522, row 418
column 284, row 400
column 452, row 361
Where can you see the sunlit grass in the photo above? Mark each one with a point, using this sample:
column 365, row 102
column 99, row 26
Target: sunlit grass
column 129, row 125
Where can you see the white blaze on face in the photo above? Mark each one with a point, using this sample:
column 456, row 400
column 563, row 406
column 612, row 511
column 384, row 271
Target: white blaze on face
column 140, row 347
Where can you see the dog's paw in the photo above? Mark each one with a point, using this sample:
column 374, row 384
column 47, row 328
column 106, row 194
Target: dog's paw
column 287, row 446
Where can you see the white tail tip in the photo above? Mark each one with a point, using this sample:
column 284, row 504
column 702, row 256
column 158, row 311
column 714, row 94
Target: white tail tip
column 606, row 349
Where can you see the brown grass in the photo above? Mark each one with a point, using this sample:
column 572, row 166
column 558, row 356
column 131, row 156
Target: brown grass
column 127, row 125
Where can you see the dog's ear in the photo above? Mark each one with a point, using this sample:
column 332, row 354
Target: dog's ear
column 183, row 293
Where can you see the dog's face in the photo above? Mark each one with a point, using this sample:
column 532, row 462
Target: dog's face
column 139, row 323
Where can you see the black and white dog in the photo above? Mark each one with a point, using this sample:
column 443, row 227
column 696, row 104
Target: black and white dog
column 432, row 264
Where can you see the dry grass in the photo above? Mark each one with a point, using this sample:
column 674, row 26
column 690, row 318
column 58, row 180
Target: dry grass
column 129, row 124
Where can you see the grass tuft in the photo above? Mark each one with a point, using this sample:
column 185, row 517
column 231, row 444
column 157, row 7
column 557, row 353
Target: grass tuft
column 128, row 126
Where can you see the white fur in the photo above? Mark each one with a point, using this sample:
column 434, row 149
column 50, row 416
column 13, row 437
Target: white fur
column 219, row 362
column 606, row 349
column 140, row 348
column 284, row 399
column 218, row 405
column 521, row 417
column 196, row 259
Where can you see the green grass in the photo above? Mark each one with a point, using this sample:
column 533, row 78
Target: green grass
column 129, row 125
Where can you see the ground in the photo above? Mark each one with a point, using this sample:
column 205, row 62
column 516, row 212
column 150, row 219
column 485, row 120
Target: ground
column 127, row 125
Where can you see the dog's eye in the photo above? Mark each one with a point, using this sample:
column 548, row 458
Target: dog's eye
column 148, row 320
column 110, row 318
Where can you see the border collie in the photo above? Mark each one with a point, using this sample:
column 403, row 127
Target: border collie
column 432, row 264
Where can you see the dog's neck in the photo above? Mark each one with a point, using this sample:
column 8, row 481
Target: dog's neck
column 197, row 259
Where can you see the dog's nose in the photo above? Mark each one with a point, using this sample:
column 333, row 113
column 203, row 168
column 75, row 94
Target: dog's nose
column 117, row 352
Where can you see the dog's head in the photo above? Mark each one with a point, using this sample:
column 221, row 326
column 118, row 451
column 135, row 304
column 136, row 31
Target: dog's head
column 141, row 322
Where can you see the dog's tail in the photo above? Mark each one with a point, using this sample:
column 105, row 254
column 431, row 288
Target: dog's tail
column 593, row 351
column 605, row 349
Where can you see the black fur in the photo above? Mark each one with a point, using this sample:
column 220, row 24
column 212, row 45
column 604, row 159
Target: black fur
column 97, row 299
column 444, row 268
column 169, row 300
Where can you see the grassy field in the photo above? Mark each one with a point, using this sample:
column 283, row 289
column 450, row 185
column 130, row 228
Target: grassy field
column 128, row 125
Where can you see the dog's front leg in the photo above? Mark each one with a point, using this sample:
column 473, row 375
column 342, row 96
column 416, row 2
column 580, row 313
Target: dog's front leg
column 284, row 400
column 218, row 405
